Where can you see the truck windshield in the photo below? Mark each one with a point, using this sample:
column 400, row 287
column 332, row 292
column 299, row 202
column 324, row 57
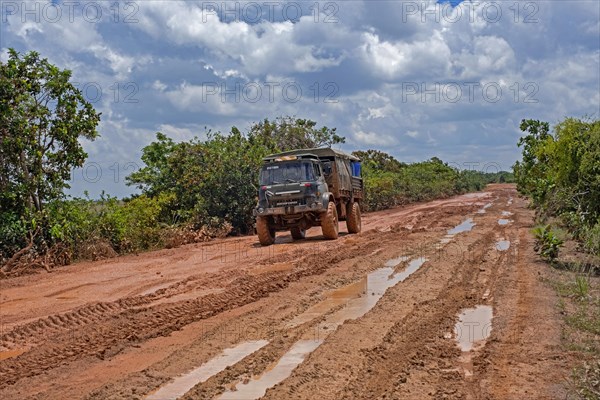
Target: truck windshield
column 287, row 172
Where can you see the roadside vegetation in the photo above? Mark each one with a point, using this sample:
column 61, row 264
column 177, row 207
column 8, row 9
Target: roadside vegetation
column 560, row 173
column 188, row 191
column 389, row 182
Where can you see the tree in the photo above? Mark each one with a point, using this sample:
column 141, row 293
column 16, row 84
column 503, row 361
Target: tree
column 42, row 118
column 288, row 133
column 561, row 173
column 156, row 176
column 378, row 160
column 530, row 174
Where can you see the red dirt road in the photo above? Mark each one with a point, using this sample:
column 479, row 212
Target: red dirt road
column 371, row 315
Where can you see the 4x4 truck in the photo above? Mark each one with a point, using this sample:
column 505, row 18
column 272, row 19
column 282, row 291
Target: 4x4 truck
column 300, row 189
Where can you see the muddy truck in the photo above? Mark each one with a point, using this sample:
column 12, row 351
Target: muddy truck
column 300, row 189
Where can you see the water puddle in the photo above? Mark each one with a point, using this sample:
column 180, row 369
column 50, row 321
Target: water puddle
column 369, row 291
column 394, row 262
column 184, row 383
column 473, row 327
column 502, row 245
column 464, row 226
column 337, row 298
column 506, row 213
column 378, row 282
column 471, row 331
column 256, row 388
column 482, row 209
column 11, row 353
column 504, row 221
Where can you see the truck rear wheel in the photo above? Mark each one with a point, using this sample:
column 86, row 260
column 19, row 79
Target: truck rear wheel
column 298, row 233
column 329, row 222
column 353, row 218
column 266, row 233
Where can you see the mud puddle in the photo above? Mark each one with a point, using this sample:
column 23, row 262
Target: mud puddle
column 378, row 282
column 485, row 207
column 361, row 296
column 471, row 332
column 257, row 388
column 394, row 262
column 464, row 226
column 473, row 327
column 502, row 245
column 184, row 383
column 371, row 289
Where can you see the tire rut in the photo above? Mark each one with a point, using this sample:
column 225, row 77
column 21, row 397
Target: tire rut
column 43, row 329
column 104, row 338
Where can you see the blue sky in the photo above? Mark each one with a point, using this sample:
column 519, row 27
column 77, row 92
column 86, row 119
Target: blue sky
column 414, row 79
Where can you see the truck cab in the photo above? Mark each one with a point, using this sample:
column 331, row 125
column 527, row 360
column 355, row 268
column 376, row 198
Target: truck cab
column 291, row 185
column 305, row 188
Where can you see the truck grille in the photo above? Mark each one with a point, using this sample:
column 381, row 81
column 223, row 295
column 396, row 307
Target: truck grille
column 289, row 202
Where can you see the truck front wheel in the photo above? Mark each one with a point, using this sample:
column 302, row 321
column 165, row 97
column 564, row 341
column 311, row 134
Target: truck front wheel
column 266, row 233
column 329, row 222
column 353, row 219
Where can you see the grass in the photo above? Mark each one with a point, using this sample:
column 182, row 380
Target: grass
column 579, row 303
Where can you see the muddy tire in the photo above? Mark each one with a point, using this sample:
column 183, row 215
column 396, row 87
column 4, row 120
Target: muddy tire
column 329, row 222
column 298, row 233
column 266, row 233
column 353, row 218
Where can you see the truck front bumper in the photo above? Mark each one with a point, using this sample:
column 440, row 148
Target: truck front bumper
column 297, row 209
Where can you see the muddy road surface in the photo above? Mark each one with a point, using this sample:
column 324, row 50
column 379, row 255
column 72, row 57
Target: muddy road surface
column 439, row 300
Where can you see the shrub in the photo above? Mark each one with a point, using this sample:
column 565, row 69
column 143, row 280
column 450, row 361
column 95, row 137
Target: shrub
column 547, row 242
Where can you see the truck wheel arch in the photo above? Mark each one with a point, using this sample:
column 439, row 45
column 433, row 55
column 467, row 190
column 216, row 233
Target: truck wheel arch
column 326, row 198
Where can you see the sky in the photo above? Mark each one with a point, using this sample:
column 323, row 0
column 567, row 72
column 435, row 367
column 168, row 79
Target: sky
column 415, row 79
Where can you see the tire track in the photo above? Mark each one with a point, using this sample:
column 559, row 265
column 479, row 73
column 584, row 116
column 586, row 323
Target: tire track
column 104, row 338
column 44, row 329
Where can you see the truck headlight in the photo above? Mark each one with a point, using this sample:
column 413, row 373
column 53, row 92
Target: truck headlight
column 261, row 210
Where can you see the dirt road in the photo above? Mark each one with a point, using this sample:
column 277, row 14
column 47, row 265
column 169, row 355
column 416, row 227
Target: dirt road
column 441, row 300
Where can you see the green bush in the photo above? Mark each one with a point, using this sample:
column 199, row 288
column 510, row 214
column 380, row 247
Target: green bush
column 560, row 172
column 389, row 182
column 13, row 231
column 547, row 242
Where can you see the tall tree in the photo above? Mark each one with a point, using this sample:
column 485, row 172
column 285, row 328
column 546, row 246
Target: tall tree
column 289, row 133
column 378, row 160
column 42, row 118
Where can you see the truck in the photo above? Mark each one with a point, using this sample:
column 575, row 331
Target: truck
column 303, row 188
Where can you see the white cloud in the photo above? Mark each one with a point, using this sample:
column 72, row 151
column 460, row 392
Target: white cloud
column 370, row 53
column 371, row 138
column 158, row 85
column 401, row 59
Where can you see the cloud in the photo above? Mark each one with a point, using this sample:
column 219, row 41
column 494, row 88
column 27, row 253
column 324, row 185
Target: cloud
column 386, row 74
column 373, row 138
column 400, row 59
